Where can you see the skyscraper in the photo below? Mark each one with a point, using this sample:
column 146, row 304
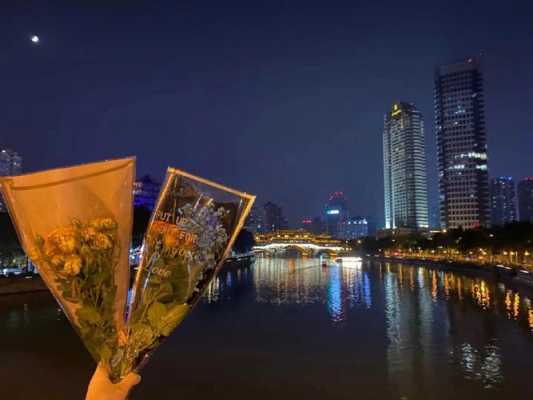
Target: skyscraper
column 461, row 145
column 336, row 212
column 255, row 221
column 273, row 218
column 356, row 227
column 145, row 192
column 10, row 164
column 404, row 162
column 525, row 199
column 502, row 200
column 314, row 225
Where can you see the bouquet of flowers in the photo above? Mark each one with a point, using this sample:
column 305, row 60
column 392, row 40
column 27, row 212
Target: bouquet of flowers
column 191, row 232
column 75, row 225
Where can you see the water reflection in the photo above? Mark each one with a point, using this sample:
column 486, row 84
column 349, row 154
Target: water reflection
column 384, row 330
column 483, row 365
column 426, row 313
column 304, row 281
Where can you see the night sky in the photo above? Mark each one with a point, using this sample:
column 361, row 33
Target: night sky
column 283, row 99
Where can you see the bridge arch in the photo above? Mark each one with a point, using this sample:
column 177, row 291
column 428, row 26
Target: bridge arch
column 305, row 242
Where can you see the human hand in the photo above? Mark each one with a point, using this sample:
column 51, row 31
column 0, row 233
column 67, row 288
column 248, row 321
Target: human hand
column 101, row 388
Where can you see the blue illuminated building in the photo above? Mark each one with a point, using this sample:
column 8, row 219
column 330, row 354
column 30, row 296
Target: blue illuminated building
column 145, row 192
column 336, row 215
column 355, row 227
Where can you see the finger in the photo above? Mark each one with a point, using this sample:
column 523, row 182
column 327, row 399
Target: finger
column 100, row 368
column 102, row 372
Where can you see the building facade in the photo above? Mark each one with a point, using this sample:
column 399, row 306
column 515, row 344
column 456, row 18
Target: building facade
column 336, row 215
column 255, row 222
column 145, row 192
column 462, row 145
column 525, row 199
column 502, row 200
column 314, row 225
column 10, row 164
column 404, row 162
column 355, row 228
column 274, row 220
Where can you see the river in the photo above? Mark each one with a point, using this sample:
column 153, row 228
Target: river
column 292, row 329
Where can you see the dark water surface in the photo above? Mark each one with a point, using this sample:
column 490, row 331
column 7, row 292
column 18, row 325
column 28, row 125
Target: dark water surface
column 290, row 329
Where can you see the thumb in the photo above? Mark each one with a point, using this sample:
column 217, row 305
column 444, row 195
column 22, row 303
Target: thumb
column 129, row 381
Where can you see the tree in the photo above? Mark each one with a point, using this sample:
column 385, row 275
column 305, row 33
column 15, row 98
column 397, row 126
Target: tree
column 244, row 242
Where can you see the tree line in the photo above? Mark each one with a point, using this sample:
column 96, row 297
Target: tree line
column 514, row 238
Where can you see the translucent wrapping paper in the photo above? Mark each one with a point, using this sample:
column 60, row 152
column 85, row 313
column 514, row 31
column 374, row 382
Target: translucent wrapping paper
column 75, row 225
column 191, row 232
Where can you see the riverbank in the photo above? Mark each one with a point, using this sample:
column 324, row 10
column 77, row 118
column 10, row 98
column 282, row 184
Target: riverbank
column 21, row 284
column 509, row 274
column 34, row 283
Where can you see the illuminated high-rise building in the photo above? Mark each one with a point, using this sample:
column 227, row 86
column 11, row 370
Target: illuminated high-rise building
column 525, row 199
column 355, row 227
column 314, row 225
column 404, row 162
column 274, row 220
column 336, row 214
column 502, row 200
column 145, row 192
column 255, row 222
column 10, row 164
column 462, row 145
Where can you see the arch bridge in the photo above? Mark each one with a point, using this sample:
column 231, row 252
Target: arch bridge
column 301, row 241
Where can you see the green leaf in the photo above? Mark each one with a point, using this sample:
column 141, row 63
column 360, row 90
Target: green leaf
column 155, row 315
column 89, row 314
column 142, row 336
column 173, row 317
column 165, row 293
column 179, row 279
column 105, row 353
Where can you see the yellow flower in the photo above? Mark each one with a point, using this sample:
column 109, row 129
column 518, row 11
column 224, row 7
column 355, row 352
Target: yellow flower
column 102, row 242
column 58, row 260
column 67, row 244
column 72, row 265
column 88, row 233
column 103, row 224
column 50, row 249
column 64, row 239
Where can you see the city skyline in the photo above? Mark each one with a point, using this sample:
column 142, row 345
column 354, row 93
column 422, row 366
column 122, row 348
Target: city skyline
column 297, row 118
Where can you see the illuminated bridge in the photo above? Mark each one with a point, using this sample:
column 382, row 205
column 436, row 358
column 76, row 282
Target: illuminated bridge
column 306, row 243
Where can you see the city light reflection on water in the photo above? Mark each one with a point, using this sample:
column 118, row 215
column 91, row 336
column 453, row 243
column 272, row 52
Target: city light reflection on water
column 363, row 330
column 303, row 281
column 423, row 310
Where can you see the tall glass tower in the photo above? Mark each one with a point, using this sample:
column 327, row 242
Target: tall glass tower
column 502, row 200
column 404, row 161
column 462, row 145
column 336, row 215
